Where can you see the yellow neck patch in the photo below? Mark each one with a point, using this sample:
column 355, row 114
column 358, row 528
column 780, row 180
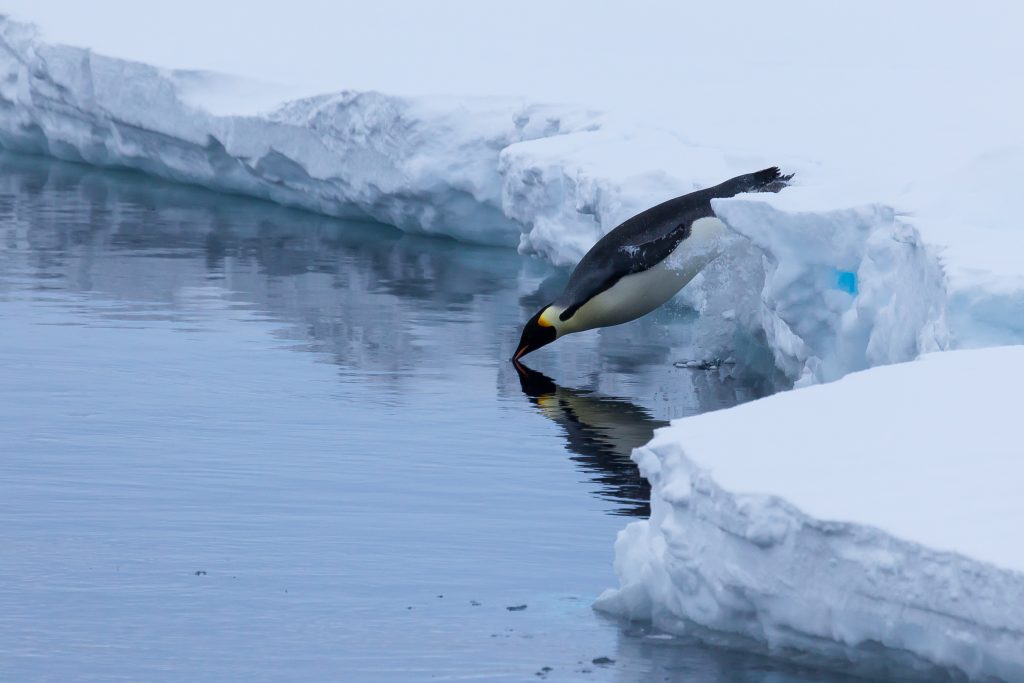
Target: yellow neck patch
column 543, row 319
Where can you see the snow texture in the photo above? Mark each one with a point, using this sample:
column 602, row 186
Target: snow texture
column 788, row 523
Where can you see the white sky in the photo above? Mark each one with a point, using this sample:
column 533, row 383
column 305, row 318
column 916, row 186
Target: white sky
column 906, row 74
column 530, row 47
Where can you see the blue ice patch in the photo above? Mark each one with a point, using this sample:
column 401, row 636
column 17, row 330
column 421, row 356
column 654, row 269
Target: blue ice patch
column 846, row 280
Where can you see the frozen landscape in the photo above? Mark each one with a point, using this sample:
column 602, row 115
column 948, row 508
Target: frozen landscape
column 868, row 517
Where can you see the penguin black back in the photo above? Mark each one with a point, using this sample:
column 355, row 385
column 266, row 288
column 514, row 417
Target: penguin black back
column 651, row 236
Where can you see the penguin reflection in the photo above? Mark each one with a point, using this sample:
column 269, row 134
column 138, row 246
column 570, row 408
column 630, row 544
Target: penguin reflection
column 601, row 433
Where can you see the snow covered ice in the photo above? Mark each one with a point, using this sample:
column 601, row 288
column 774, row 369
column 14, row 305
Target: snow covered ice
column 882, row 509
column 891, row 495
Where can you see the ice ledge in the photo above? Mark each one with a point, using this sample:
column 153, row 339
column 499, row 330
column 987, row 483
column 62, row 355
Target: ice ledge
column 890, row 535
column 844, row 289
column 425, row 165
column 832, row 277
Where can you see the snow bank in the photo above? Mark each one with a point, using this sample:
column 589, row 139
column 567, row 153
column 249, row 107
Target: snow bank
column 880, row 510
column 427, row 165
column 462, row 167
column 837, row 276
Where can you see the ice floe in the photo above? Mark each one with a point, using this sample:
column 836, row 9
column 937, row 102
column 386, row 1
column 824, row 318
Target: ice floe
column 874, row 521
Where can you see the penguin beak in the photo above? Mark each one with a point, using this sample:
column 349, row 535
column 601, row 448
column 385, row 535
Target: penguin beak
column 535, row 335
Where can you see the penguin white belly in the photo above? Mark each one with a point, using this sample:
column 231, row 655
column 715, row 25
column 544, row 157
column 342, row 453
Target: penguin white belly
column 640, row 293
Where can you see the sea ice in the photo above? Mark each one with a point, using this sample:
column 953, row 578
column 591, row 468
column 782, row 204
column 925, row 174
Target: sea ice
column 879, row 510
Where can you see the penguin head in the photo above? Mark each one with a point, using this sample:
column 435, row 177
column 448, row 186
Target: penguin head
column 539, row 331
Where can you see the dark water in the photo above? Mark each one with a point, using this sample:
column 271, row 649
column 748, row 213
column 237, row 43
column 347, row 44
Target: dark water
column 245, row 443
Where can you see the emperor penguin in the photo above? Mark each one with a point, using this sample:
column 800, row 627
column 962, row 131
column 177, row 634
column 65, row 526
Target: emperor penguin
column 642, row 263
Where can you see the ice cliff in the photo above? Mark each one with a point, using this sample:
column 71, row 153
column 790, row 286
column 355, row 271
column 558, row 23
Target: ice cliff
column 873, row 522
column 425, row 166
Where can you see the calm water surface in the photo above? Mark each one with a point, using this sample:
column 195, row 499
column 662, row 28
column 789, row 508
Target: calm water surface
column 243, row 443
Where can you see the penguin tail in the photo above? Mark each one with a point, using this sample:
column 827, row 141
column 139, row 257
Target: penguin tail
column 769, row 180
